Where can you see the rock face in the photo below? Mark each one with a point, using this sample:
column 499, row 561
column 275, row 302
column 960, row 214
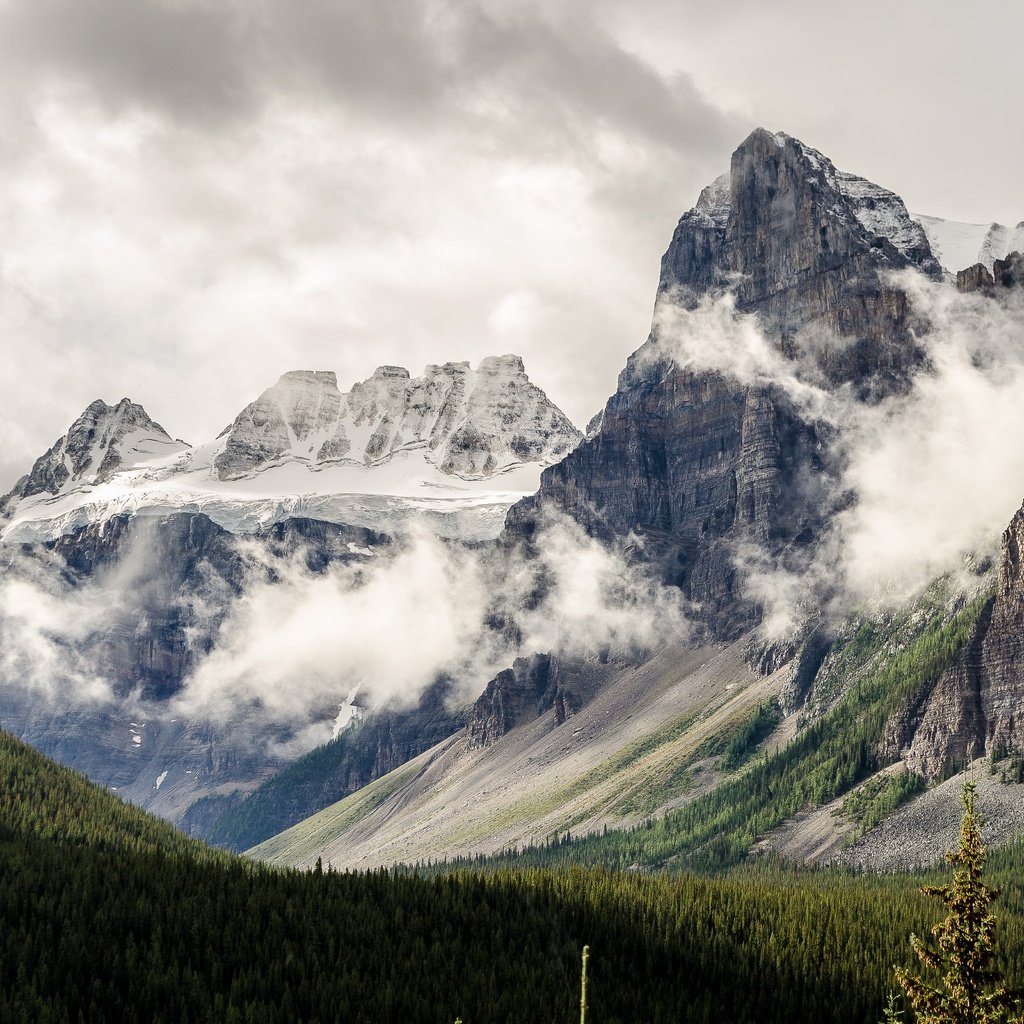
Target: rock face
column 802, row 244
column 104, row 439
column 470, row 424
column 974, row 279
column 703, row 464
column 1009, row 273
column 1006, row 273
column 530, row 688
column 975, row 707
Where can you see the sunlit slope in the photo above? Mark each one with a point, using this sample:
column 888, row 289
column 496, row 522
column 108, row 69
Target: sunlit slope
column 652, row 737
column 687, row 760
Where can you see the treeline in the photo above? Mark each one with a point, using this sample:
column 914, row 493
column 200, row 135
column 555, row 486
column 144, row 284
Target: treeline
column 828, row 757
column 114, row 917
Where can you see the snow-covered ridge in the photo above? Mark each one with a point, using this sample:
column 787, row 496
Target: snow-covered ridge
column 957, row 245
column 879, row 211
column 470, row 424
column 882, row 213
column 456, row 447
column 714, row 201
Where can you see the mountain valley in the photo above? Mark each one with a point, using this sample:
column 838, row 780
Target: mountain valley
column 630, row 630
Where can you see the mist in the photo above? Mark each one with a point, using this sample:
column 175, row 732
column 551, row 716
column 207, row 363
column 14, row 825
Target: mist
column 927, row 478
column 277, row 652
column 296, row 644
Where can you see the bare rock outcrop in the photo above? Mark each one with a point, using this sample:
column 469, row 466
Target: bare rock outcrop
column 530, row 688
column 975, row 707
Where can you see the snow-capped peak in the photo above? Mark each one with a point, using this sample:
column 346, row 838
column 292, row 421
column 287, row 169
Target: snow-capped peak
column 456, row 447
column 469, row 424
column 102, row 441
column 879, row 211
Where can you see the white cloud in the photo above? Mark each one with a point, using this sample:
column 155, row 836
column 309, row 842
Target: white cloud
column 295, row 646
column 934, row 474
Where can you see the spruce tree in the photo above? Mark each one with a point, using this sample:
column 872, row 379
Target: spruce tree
column 971, row 990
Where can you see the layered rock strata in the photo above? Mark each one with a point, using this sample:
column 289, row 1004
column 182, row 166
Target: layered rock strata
column 708, row 466
column 975, row 708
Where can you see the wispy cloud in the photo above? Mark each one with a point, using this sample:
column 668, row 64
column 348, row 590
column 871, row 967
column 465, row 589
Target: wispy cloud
column 924, row 477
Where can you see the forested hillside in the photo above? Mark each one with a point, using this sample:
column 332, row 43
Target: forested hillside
column 107, row 915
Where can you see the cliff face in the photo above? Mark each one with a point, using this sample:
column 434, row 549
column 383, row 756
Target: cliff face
column 530, row 688
column 975, row 707
column 1006, row 273
column 702, row 463
column 801, row 244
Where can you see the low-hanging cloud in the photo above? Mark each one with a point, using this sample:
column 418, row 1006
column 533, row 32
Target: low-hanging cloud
column 940, row 472
column 277, row 646
column 925, row 478
column 299, row 643
column 296, row 644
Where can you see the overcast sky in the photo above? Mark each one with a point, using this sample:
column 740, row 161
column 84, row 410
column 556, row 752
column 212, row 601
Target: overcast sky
column 198, row 195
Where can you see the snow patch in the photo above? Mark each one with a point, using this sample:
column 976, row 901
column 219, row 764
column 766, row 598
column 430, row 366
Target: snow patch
column 957, row 245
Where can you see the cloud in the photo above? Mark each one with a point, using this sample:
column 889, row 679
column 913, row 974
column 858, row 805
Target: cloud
column 595, row 600
column 200, row 196
column 714, row 336
column 271, row 648
column 296, row 644
column 939, row 473
column 40, row 637
column 923, row 479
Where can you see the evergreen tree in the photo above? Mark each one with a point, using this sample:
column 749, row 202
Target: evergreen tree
column 971, row 991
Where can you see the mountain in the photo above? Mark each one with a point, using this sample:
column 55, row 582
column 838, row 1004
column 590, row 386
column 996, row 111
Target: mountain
column 468, row 424
column 455, row 447
column 142, row 546
column 103, row 441
column 720, row 735
column 974, row 707
column 701, row 462
column 695, row 465
column 144, row 599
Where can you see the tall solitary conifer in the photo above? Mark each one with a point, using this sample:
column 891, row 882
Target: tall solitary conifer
column 971, row 991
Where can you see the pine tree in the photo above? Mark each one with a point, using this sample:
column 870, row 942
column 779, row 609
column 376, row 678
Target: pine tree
column 971, row 991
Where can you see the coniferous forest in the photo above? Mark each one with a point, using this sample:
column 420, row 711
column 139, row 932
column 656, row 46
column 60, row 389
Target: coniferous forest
column 110, row 915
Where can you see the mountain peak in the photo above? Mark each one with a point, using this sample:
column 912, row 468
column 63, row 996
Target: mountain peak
column 783, row 230
column 469, row 424
column 510, row 364
column 102, row 440
column 315, row 378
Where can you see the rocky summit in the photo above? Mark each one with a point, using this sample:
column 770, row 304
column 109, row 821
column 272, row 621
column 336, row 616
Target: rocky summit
column 702, row 462
column 468, row 423
column 103, row 440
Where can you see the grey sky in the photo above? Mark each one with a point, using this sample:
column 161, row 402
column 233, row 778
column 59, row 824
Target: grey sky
column 201, row 194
